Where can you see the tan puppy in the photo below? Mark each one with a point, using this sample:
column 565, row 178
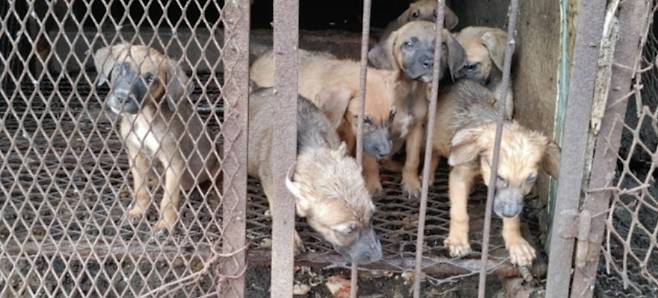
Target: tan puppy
column 422, row 10
column 333, row 86
column 485, row 54
column 157, row 124
column 327, row 184
column 410, row 51
column 464, row 132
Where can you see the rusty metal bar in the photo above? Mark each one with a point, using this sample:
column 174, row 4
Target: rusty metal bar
column 438, row 41
column 284, row 144
column 236, row 90
column 363, row 76
column 512, row 14
column 589, row 29
column 627, row 60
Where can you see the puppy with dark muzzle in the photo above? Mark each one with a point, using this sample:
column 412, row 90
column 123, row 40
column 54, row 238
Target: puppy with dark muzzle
column 485, row 53
column 326, row 182
column 410, row 51
column 148, row 91
column 422, row 10
column 333, row 86
column 464, row 132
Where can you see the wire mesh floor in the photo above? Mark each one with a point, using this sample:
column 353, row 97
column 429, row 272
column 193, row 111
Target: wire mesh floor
column 65, row 186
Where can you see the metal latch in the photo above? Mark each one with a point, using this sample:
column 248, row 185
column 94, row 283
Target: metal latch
column 578, row 225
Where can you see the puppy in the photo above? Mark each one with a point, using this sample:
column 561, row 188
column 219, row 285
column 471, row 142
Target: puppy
column 157, row 124
column 327, row 184
column 422, row 10
column 333, row 86
column 410, row 51
column 464, row 133
column 485, row 54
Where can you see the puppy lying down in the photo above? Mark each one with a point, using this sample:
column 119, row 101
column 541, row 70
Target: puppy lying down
column 327, row 184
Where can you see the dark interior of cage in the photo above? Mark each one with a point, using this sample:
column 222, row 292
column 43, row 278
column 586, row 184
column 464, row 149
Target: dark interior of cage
column 65, row 173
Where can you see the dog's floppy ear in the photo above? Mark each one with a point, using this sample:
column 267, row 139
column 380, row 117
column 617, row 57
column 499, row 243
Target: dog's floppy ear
column 450, row 19
column 465, row 146
column 104, row 64
column 495, row 43
column 179, row 85
column 551, row 160
column 456, row 54
column 301, row 202
column 333, row 102
column 381, row 55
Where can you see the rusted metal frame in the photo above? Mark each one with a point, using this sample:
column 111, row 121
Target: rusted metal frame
column 429, row 140
column 363, row 76
column 589, row 29
column 234, row 164
column 633, row 28
column 284, row 144
column 512, row 14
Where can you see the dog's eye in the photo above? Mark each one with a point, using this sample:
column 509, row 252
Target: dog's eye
column 149, row 78
column 501, row 182
column 531, row 179
column 392, row 114
column 415, row 14
column 472, row 66
column 347, row 230
column 408, row 44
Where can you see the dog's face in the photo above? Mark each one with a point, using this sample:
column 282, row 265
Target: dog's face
column 410, row 49
column 130, row 90
column 425, row 10
column 330, row 193
column 522, row 154
column 485, row 52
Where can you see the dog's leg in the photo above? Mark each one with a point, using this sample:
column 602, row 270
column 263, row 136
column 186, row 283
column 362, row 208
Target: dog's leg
column 171, row 197
column 267, row 189
column 410, row 179
column 140, row 170
column 434, row 163
column 460, row 182
column 371, row 174
column 520, row 251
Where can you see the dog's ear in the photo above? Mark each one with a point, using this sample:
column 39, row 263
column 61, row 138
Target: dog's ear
column 495, row 43
column 551, row 160
column 333, row 102
column 179, row 85
column 104, row 64
column 381, row 55
column 455, row 53
column 302, row 203
column 465, row 146
column 451, row 20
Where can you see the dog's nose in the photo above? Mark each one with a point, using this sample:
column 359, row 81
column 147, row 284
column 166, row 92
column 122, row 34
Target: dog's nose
column 428, row 63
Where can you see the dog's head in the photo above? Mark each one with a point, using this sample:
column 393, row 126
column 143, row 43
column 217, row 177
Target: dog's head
column 139, row 76
column 330, row 193
column 341, row 103
column 523, row 153
column 425, row 10
column 410, row 50
column 485, row 52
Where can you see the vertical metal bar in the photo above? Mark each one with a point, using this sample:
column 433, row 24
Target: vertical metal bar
column 438, row 41
column 284, row 143
column 236, row 86
column 633, row 29
column 512, row 14
column 365, row 34
column 574, row 142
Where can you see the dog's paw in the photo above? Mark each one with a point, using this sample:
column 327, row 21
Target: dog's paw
column 299, row 245
column 374, row 186
column 411, row 185
column 521, row 252
column 457, row 246
column 163, row 229
column 134, row 214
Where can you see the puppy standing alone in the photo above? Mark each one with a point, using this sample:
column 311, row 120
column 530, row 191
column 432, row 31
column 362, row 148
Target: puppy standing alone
column 327, row 184
column 157, row 124
column 464, row 132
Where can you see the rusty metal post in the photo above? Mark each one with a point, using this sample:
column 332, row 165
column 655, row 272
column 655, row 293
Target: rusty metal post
column 589, row 29
column 420, row 236
column 633, row 28
column 363, row 76
column 236, row 90
column 284, row 143
column 507, row 66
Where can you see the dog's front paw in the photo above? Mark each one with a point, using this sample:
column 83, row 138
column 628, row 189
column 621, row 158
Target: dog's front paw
column 299, row 245
column 134, row 214
column 411, row 184
column 458, row 246
column 374, row 186
column 521, row 252
column 163, row 229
